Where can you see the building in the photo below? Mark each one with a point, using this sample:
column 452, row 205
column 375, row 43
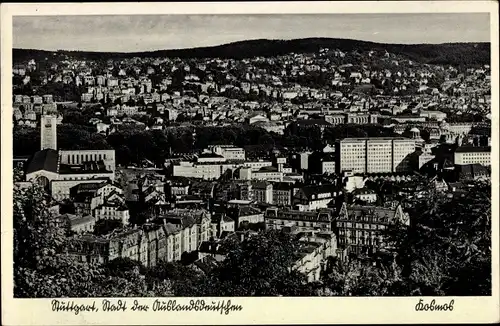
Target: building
column 309, row 260
column 435, row 115
column 262, row 192
column 193, row 170
column 420, row 158
column 257, row 165
column 189, row 217
column 314, row 249
column 50, row 165
column 471, row 172
column 112, row 211
column 351, row 182
column 45, row 167
column 375, row 154
column 81, row 157
column 314, row 197
column 229, row 152
column 178, row 232
column 206, row 166
column 268, row 173
column 472, row 155
column 123, row 243
column 359, row 228
column 365, row 195
column 282, row 194
column 322, row 163
column 300, row 161
column 277, row 218
column 221, row 223
column 77, row 224
column 246, row 215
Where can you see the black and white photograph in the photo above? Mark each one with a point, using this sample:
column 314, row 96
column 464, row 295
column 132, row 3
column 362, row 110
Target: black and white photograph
column 252, row 155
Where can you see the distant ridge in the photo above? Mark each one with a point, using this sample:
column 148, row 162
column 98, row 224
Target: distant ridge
column 446, row 53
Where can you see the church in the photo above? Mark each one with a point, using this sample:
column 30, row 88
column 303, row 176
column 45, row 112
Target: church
column 59, row 170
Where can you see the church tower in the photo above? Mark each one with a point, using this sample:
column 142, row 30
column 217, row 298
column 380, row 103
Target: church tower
column 48, row 132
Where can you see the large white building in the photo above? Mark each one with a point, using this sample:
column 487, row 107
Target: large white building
column 375, row 155
column 229, row 152
column 210, row 167
column 79, row 157
column 472, row 155
column 202, row 170
column 59, row 170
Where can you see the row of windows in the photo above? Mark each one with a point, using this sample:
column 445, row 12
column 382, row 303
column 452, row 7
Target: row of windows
column 78, row 158
column 475, row 154
column 358, row 232
column 297, row 223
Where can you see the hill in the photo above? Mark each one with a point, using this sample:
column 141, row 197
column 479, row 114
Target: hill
column 447, row 53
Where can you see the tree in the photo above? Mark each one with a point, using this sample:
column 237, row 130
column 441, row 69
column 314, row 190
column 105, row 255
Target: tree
column 43, row 267
column 106, row 226
column 447, row 248
column 18, row 174
column 362, row 278
column 72, row 136
column 26, row 140
column 259, row 266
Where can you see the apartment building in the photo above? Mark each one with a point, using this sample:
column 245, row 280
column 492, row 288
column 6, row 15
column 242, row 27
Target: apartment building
column 229, row 152
column 178, row 232
column 359, row 227
column 375, row 154
column 282, row 194
column 313, row 197
column 472, row 155
column 276, row 218
column 315, row 247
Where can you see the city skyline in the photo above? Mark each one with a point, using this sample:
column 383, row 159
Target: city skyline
column 163, row 32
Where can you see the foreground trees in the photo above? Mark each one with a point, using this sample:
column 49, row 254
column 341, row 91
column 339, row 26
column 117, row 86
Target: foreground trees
column 445, row 251
column 258, row 266
column 42, row 269
column 447, row 248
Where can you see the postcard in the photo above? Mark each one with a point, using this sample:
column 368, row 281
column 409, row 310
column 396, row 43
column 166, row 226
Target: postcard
column 239, row 163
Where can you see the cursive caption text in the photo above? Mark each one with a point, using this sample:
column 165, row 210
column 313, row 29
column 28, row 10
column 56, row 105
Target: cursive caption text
column 432, row 306
column 108, row 305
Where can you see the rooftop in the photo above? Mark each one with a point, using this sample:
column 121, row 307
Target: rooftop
column 46, row 159
column 473, row 149
column 374, row 138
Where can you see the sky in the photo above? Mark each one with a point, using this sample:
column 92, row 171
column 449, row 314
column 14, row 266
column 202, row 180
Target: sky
column 129, row 33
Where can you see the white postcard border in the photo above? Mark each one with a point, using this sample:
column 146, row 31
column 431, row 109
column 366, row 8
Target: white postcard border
column 315, row 310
